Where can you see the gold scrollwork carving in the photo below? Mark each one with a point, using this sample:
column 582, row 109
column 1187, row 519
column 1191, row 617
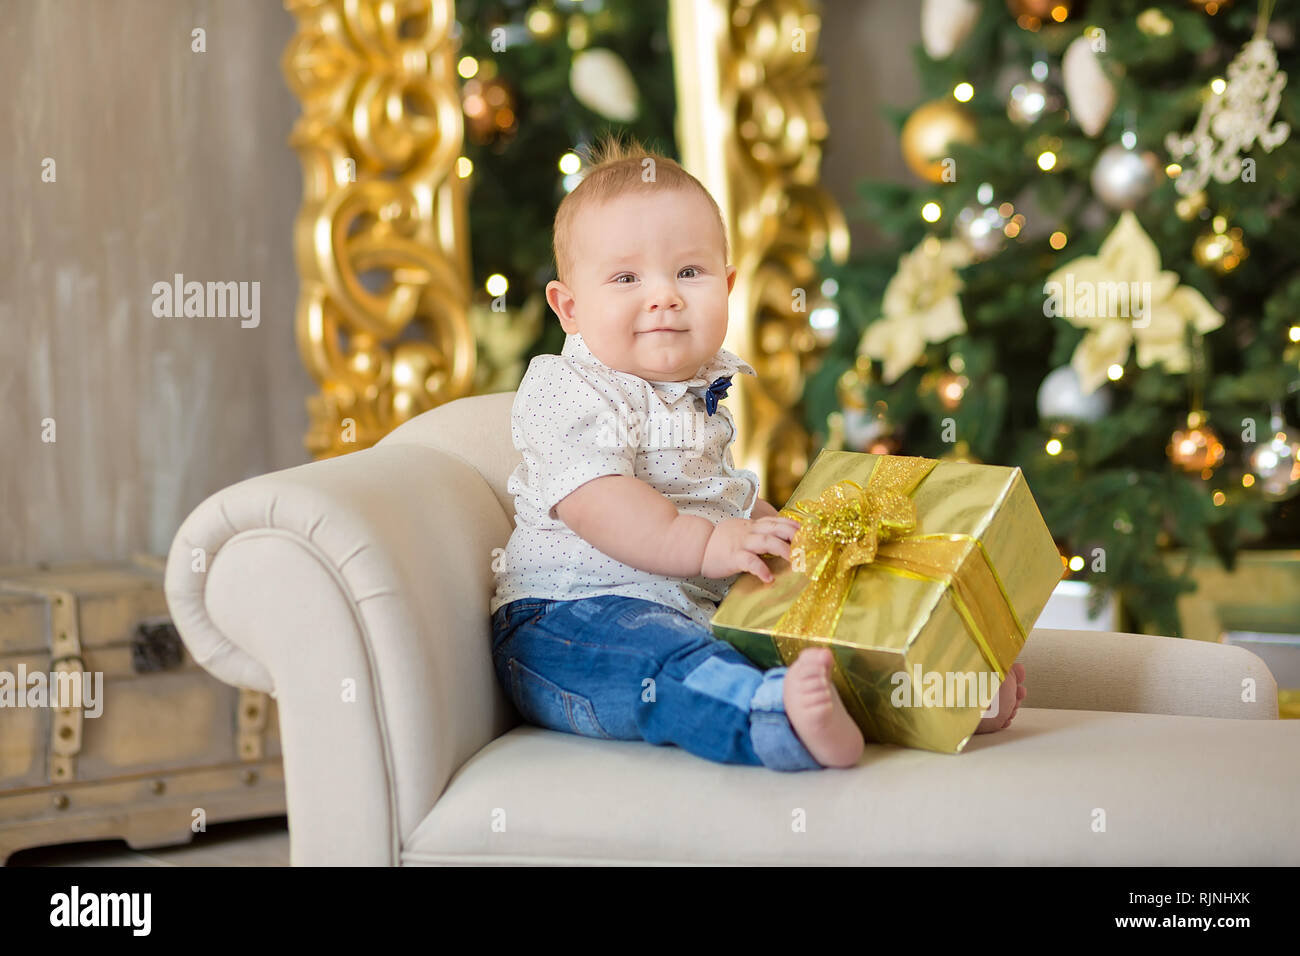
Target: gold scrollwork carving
column 381, row 237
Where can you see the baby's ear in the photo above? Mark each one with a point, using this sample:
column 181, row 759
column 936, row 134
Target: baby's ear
column 562, row 303
column 731, row 277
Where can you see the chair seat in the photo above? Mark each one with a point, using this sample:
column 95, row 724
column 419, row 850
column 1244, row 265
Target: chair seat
column 1174, row 791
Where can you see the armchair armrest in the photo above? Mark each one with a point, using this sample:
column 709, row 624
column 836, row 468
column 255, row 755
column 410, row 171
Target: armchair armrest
column 1145, row 674
column 355, row 590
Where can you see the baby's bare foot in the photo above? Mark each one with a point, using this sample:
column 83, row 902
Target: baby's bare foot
column 1010, row 694
column 816, row 712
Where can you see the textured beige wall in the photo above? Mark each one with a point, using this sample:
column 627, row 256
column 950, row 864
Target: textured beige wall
column 167, row 161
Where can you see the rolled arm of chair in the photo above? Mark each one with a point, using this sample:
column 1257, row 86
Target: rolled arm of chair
column 355, row 590
column 1142, row 673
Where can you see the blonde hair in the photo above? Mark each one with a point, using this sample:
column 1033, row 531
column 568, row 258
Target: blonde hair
column 615, row 169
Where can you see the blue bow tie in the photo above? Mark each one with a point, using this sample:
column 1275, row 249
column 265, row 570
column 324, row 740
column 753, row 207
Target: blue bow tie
column 716, row 391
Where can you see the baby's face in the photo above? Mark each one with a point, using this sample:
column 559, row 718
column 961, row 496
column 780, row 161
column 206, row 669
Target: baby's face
column 649, row 285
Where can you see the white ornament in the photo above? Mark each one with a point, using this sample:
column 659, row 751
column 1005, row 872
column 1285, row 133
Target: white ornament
column 1061, row 396
column 945, row 25
column 1088, row 89
column 1232, row 120
column 602, row 82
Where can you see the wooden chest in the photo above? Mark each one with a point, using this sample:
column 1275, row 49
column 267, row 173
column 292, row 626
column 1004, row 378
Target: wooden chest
column 108, row 728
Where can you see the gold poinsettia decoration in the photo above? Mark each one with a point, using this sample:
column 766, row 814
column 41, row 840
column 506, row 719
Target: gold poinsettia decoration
column 1123, row 298
column 503, row 338
column 920, row 306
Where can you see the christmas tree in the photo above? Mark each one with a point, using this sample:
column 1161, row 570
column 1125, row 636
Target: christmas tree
column 1097, row 279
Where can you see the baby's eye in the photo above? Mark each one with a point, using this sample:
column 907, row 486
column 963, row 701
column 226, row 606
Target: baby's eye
column 689, row 269
column 625, row 274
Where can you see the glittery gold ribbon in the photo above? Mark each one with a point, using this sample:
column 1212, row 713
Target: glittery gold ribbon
column 848, row 527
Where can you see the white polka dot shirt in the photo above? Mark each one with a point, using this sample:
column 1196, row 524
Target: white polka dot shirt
column 574, row 419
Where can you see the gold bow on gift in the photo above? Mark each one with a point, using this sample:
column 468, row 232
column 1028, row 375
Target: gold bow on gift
column 848, row 526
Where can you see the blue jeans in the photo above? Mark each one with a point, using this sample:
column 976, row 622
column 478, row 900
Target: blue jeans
column 623, row 668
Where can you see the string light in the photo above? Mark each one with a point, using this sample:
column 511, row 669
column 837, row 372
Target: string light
column 1053, row 446
column 962, row 92
column 570, row 163
column 464, row 166
column 1218, row 85
column 496, row 284
column 467, row 67
column 931, row 212
column 1057, row 240
column 1115, row 372
column 1046, row 160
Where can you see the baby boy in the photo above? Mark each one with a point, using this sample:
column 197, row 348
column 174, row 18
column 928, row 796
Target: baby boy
column 632, row 521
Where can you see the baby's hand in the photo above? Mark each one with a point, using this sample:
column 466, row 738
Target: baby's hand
column 736, row 544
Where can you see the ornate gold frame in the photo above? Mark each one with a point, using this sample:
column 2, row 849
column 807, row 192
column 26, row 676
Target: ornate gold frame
column 381, row 98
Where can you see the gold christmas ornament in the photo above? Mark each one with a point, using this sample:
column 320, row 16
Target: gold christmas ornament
column 1032, row 14
column 961, row 452
column 1189, row 207
column 930, row 132
column 1154, row 23
column 1197, row 447
column 489, row 109
column 543, row 23
column 851, row 388
column 1220, row 249
column 885, row 445
column 949, row 387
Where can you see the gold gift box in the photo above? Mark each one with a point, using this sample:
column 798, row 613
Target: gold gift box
column 906, row 568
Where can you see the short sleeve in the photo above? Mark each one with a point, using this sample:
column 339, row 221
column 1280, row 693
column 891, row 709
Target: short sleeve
column 576, row 425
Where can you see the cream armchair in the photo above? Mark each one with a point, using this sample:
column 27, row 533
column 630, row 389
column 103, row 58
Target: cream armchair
column 356, row 590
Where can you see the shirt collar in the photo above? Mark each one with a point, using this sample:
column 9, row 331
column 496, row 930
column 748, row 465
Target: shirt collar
column 724, row 362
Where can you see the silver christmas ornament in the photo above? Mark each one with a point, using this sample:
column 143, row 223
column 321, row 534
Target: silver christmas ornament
column 981, row 227
column 862, row 428
column 1122, row 177
column 1029, row 100
column 1061, row 397
column 1276, row 462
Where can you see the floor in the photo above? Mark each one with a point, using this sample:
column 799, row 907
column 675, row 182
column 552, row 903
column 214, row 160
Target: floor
column 262, row 842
